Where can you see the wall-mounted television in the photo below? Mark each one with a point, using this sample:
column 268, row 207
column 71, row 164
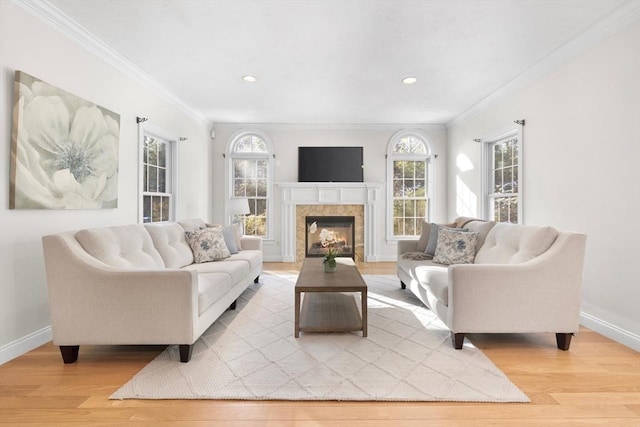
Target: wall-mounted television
column 330, row 164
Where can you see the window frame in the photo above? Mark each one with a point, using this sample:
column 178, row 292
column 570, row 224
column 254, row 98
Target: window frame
column 392, row 156
column 269, row 156
column 488, row 170
column 171, row 177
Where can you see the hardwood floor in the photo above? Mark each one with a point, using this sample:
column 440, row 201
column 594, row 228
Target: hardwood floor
column 596, row 382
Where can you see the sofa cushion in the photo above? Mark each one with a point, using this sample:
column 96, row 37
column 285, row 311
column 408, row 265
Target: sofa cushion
column 424, row 237
column 251, row 257
column 192, row 224
column 237, row 270
column 455, row 246
column 207, row 245
column 433, row 237
column 230, row 238
column 511, row 243
column 212, row 287
column 431, row 276
column 125, row 246
column 432, row 242
column 482, row 227
column 170, row 241
column 237, row 232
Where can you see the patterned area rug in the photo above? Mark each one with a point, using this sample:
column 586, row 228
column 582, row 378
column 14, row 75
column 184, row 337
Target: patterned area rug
column 250, row 353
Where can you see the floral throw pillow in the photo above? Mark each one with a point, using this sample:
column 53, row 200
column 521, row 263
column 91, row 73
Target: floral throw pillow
column 207, row 245
column 455, row 246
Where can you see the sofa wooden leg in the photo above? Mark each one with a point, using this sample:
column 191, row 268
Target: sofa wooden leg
column 233, row 305
column 402, row 285
column 563, row 340
column 69, row 353
column 185, row 352
column 457, row 340
column 257, row 279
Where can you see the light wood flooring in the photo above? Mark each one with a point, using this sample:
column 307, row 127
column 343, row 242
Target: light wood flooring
column 597, row 382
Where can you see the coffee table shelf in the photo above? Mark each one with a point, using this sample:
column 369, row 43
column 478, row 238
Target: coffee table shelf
column 329, row 312
column 327, row 305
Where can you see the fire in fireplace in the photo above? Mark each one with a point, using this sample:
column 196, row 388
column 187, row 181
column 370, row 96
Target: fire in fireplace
column 324, row 232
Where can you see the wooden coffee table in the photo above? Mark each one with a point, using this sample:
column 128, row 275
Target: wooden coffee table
column 325, row 308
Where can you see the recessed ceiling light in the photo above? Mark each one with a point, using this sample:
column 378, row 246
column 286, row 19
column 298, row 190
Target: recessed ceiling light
column 409, row 80
column 249, row 78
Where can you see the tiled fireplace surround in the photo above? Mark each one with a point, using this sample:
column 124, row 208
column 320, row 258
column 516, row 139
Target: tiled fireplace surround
column 356, row 199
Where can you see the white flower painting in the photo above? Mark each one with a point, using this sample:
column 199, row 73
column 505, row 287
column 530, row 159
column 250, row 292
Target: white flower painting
column 64, row 149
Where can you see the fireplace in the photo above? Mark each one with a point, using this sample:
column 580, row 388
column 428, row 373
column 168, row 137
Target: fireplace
column 330, row 232
column 301, row 199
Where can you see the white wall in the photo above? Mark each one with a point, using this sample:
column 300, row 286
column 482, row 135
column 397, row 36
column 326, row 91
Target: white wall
column 27, row 44
column 374, row 138
column 581, row 163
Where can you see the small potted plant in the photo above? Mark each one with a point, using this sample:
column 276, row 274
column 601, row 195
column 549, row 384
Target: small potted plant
column 329, row 261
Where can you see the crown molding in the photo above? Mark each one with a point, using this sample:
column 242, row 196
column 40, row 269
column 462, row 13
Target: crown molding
column 336, row 126
column 59, row 21
column 625, row 14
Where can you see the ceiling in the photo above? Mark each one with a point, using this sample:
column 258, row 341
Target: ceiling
column 338, row 62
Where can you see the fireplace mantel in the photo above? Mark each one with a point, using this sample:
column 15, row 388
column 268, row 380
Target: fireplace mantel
column 327, row 193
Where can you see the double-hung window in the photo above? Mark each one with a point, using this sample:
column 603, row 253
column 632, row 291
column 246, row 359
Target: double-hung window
column 250, row 178
column 502, row 181
column 409, row 172
column 157, row 176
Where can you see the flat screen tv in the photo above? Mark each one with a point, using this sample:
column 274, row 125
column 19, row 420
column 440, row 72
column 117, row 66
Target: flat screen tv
column 330, row 164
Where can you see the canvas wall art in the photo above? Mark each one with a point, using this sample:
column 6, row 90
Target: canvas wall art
column 64, row 149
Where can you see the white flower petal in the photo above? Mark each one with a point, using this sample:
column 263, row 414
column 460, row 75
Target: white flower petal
column 47, row 120
column 33, row 189
column 110, row 191
column 104, row 156
column 113, row 125
column 88, row 127
column 75, row 201
column 65, row 182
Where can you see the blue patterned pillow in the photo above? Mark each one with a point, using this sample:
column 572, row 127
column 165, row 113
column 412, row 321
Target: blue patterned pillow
column 207, row 245
column 455, row 246
column 433, row 237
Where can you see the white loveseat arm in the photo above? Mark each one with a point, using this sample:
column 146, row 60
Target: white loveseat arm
column 540, row 295
column 405, row 246
column 251, row 243
column 93, row 303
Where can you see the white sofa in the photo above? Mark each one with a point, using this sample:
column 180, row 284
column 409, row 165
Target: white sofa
column 524, row 279
column 138, row 284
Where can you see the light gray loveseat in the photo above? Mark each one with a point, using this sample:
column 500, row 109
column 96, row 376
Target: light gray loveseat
column 523, row 279
column 138, row 284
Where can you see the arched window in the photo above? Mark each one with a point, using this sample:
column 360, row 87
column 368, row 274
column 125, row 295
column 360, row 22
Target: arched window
column 250, row 178
column 408, row 181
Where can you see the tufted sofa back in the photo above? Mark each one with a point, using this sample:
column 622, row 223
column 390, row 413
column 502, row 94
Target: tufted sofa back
column 170, row 241
column 125, row 246
column 511, row 243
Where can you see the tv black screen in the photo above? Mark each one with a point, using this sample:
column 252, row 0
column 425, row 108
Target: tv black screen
column 330, row 164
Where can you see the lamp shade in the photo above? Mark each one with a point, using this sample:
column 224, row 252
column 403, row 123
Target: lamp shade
column 239, row 206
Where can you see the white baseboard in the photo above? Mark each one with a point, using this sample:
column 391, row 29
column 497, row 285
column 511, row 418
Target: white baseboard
column 609, row 330
column 25, row 344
